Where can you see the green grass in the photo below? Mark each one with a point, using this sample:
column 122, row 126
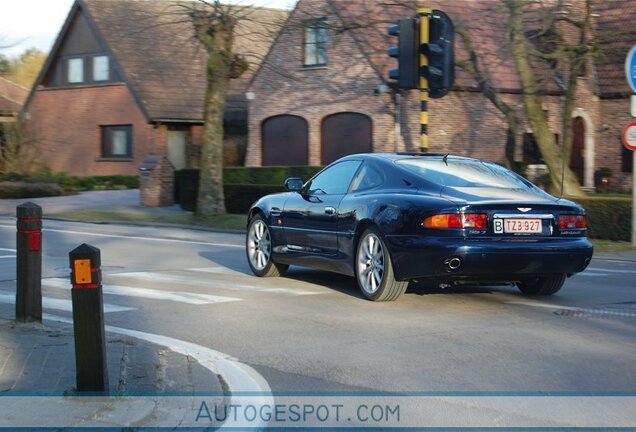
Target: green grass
column 608, row 195
column 221, row 221
column 612, row 246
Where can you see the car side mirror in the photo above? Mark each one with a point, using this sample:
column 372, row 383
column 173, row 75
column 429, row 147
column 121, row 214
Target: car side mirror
column 294, row 184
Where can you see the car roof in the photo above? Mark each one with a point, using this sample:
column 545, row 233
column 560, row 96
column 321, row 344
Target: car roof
column 401, row 156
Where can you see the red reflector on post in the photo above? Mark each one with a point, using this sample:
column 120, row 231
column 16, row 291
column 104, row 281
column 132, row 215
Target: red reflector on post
column 34, row 241
column 572, row 222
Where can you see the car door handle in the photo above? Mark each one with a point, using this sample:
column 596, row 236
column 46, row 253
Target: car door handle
column 330, row 210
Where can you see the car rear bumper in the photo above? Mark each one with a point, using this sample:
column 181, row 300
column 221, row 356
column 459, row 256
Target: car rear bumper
column 486, row 258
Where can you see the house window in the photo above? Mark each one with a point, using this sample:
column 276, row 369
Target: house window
column 100, row 68
column 117, row 142
column 75, row 70
column 316, row 38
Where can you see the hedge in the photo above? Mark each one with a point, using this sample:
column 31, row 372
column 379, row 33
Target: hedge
column 20, row 189
column 608, row 218
column 76, row 184
column 267, row 175
column 239, row 198
column 242, row 185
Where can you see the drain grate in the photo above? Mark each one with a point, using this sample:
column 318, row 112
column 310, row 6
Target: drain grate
column 597, row 313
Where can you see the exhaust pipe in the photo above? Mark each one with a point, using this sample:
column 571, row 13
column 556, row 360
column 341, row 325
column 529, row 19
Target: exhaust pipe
column 453, row 263
column 586, row 262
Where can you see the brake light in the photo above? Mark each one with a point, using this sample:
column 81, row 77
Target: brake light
column 572, row 222
column 456, row 221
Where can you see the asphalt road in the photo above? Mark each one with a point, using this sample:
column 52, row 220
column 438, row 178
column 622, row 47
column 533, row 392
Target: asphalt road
column 312, row 331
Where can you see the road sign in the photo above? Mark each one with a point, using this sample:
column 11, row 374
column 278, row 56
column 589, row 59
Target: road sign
column 629, row 136
column 630, row 68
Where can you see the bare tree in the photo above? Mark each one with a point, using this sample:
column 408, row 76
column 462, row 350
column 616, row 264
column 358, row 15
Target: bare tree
column 217, row 27
column 485, row 85
column 564, row 58
column 25, row 68
column 18, row 149
column 214, row 28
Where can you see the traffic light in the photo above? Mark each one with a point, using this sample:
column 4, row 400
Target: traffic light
column 407, row 53
column 440, row 71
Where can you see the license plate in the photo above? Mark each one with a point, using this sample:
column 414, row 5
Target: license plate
column 518, row 226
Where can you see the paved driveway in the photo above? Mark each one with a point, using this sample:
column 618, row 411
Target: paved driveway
column 113, row 200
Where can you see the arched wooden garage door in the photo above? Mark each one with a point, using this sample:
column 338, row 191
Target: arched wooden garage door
column 285, row 141
column 344, row 134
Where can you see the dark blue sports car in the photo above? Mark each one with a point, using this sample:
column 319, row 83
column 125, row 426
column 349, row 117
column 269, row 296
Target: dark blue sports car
column 388, row 219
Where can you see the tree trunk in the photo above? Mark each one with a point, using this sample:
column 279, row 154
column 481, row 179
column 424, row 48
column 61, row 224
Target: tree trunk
column 217, row 39
column 532, row 100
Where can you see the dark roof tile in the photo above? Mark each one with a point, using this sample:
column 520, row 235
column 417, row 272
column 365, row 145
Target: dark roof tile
column 12, row 96
column 154, row 43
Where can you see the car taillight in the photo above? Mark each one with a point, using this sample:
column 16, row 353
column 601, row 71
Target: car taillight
column 572, row 222
column 457, row 221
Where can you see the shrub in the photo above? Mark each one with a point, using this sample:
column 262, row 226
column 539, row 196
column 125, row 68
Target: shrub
column 608, row 218
column 267, row 175
column 241, row 185
column 76, row 184
column 15, row 190
column 239, row 198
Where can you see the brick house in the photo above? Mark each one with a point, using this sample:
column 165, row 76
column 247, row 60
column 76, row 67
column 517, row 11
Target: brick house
column 125, row 80
column 332, row 97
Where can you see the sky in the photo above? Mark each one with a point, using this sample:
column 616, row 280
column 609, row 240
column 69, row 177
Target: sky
column 35, row 23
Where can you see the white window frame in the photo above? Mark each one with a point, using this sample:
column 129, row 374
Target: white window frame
column 101, row 68
column 75, row 72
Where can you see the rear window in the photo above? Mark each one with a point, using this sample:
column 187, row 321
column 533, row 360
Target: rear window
column 465, row 173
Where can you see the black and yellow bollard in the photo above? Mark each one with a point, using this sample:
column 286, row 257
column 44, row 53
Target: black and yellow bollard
column 88, row 319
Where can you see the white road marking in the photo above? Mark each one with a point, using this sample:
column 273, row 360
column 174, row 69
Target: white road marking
column 8, row 250
column 7, row 256
column 238, row 376
column 543, row 305
column 217, row 270
column 127, row 291
column 591, row 311
column 212, row 283
column 61, row 304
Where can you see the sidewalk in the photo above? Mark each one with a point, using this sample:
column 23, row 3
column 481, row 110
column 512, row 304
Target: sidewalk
column 112, row 200
column 39, row 359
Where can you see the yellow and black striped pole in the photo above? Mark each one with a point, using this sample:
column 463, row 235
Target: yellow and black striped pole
column 424, row 14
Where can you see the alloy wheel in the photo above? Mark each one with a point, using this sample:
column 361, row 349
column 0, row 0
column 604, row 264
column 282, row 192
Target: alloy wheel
column 370, row 263
column 259, row 245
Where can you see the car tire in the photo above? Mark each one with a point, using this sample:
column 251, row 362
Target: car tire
column 374, row 269
column 542, row 285
column 258, row 247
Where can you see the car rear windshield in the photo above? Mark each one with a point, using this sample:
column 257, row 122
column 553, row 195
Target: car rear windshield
column 465, row 173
